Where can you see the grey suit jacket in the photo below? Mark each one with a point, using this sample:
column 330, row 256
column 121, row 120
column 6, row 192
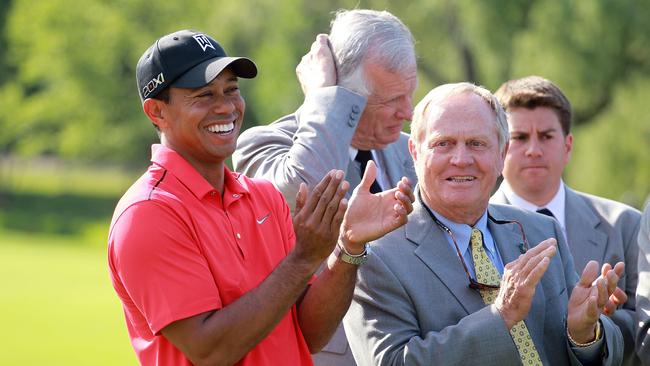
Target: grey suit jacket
column 643, row 291
column 413, row 306
column 303, row 147
column 606, row 231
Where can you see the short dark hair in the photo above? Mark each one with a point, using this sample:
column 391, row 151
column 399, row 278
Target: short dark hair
column 534, row 91
column 163, row 95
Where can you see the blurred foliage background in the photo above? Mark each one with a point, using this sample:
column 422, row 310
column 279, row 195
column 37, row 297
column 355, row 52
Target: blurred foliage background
column 67, row 84
column 74, row 136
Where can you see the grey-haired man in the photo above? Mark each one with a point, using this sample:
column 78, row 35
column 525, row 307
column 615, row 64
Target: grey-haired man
column 465, row 282
column 358, row 83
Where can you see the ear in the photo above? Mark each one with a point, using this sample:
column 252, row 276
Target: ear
column 155, row 110
column 568, row 147
column 502, row 157
column 413, row 149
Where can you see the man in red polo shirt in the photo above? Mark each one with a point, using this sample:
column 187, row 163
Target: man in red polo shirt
column 209, row 265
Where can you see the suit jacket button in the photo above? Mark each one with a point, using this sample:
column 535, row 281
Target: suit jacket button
column 351, row 121
column 355, row 109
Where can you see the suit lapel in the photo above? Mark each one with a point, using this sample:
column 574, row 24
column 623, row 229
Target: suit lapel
column 353, row 176
column 434, row 251
column 395, row 167
column 506, row 236
column 508, row 239
column 585, row 240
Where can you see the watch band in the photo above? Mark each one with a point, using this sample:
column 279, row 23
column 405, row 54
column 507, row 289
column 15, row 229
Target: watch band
column 356, row 259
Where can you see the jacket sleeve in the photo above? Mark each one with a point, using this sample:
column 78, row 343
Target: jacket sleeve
column 612, row 352
column 304, row 146
column 643, row 291
column 382, row 327
column 628, row 226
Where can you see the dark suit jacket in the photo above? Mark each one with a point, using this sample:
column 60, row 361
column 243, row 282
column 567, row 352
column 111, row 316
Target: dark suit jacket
column 412, row 304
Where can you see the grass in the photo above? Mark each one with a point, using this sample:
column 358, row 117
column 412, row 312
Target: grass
column 56, row 177
column 57, row 305
column 61, row 198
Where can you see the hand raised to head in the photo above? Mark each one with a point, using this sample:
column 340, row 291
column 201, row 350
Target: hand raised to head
column 317, row 68
column 318, row 216
column 371, row 216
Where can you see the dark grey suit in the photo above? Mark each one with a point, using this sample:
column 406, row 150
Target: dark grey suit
column 412, row 304
column 606, row 231
column 643, row 291
column 303, row 147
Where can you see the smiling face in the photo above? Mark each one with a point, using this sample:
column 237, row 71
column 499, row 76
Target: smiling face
column 202, row 124
column 538, row 153
column 389, row 105
column 458, row 159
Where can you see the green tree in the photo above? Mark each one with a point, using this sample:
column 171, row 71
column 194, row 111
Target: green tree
column 611, row 155
column 67, row 77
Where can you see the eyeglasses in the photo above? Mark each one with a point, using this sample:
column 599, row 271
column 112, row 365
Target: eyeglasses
column 474, row 284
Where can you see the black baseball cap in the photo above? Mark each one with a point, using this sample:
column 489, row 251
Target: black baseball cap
column 186, row 59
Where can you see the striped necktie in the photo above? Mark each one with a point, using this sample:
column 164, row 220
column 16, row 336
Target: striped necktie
column 486, row 273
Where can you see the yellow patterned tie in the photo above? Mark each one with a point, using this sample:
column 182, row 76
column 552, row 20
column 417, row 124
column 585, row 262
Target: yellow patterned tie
column 487, row 274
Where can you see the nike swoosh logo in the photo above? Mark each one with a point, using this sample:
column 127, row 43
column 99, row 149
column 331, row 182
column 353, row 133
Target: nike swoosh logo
column 261, row 221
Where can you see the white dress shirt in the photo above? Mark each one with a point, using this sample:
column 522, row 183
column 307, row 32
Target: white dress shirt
column 556, row 205
column 381, row 178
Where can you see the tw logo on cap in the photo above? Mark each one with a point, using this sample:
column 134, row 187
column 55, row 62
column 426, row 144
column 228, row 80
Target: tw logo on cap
column 203, row 41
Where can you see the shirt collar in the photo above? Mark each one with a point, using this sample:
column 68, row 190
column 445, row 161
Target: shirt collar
column 556, row 205
column 353, row 154
column 190, row 177
column 462, row 232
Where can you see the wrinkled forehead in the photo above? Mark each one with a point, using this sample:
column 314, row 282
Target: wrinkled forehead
column 386, row 83
column 467, row 115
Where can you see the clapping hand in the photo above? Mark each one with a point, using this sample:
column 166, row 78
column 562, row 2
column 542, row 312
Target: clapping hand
column 520, row 277
column 616, row 295
column 370, row 216
column 318, row 216
column 592, row 296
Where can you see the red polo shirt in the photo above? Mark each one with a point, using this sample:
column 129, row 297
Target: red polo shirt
column 177, row 249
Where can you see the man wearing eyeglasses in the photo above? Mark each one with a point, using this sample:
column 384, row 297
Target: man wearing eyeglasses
column 465, row 282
